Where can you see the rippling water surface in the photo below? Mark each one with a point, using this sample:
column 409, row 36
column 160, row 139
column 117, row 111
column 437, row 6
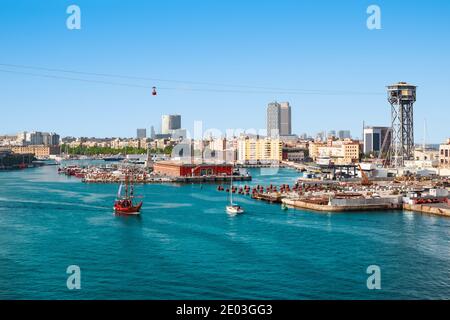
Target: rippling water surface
column 184, row 246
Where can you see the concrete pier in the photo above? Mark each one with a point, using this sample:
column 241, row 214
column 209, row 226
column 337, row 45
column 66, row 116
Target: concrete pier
column 368, row 206
column 439, row 209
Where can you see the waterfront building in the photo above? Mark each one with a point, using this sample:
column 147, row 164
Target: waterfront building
column 181, row 169
column 39, row 151
column 424, row 159
column 338, row 151
column 141, row 133
column 258, row 150
column 444, row 154
column 169, row 123
column 377, row 140
column 293, row 154
column 279, row 119
column 10, row 160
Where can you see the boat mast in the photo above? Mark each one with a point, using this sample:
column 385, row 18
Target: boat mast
column 126, row 184
column 132, row 184
column 231, row 187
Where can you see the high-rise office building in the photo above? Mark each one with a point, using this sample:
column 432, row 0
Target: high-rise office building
column 285, row 119
column 273, row 119
column 36, row 138
column 50, row 139
column 331, row 133
column 344, row 134
column 169, row 123
column 141, row 133
column 279, row 119
column 152, row 132
column 377, row 139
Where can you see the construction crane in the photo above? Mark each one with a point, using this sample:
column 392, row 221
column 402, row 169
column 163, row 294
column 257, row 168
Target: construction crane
column 364, row 178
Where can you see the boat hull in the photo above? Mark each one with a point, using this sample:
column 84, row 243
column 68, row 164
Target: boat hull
column 133, row 210
column 234, row 210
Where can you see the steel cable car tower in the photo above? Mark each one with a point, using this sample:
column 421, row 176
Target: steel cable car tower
column 402, row 97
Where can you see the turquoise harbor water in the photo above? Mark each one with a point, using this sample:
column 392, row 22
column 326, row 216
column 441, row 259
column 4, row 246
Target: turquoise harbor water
column 186, row 247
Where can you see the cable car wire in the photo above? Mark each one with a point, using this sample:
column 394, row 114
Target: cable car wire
column 255, row 89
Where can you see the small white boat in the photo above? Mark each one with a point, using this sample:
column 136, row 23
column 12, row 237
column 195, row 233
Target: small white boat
column 233, row 208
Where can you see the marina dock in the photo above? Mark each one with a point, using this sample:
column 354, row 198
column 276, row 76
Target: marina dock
column 117, row 174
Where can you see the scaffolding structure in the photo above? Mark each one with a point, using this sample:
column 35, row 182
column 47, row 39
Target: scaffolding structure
column 402, row 97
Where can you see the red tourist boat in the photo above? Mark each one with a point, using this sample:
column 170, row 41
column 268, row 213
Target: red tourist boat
column 125, row 204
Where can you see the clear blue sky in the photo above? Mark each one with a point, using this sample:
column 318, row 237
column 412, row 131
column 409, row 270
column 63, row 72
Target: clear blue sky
column 317, row 45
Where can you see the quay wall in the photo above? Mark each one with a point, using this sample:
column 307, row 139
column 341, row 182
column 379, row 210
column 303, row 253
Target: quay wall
column 436, row 210
column 367, row 202
column 195, row 179
column 376, row 205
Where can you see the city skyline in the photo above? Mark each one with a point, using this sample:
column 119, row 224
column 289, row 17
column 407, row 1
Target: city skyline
column 333, row 76
column 227, row 158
